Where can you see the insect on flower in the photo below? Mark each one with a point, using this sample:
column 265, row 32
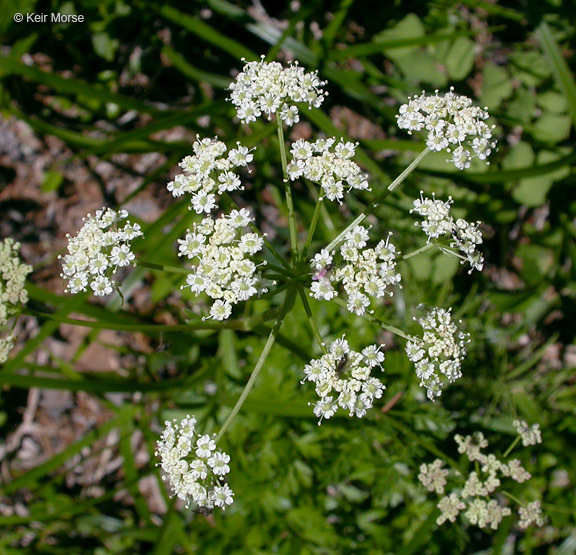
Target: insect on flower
column 322, row 273
column 342, row 364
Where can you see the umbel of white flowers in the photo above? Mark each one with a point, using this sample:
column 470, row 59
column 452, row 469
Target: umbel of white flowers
column 98, row 250
column 438, row 223
column 365, row 273
column 263, row 88
column 332, row 168
column 12, row 292
column 346, row 373
column 222, row 250
column 478, row 486
column 194, row 467
column 209, row 171
column 453, row 124
column 439, row 353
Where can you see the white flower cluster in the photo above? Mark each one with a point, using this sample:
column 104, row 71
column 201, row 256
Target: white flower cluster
column 224, row 271
column 332, row 168
column 433, row 476
column 98, row 250
column 531, row 514
column 364, row 273
column 530, row 435
column 269, row 88
column 439, row 353
column 12, row 292
column 209, row 171
column 438, row 223
column 473, row 494
column 452, row 123
column 193, row 466
column 347, row 373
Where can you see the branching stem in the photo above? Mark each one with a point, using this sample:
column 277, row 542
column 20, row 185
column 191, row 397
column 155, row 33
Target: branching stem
column 288, row 190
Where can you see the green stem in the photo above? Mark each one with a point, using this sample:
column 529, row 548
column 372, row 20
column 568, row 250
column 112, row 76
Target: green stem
column 379, row 198
column 285, row 272
column 252, row 380
column 408, row 170
column 163, row 267
column 288, row 303
column 515, row 499
column 425, row 248
column 288, row 190
column 311, row 321
column 371, row 318
column 312, row 228
column 509, row 450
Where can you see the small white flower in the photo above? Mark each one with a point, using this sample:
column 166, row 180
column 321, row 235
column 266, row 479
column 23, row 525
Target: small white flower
column 222, row 496
column 220, row 310
column 219, row 463
column 204, row 446
column 325, row 408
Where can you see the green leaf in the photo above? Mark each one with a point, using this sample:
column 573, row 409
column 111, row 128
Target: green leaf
column 52, row 181
column 227, row 353
column 419, row 66
column 551, row 128
column 104, row 45
column 532, row 191
column 496, row 86
column 552, row 101
column 562, row 72
column 460, row 58
column 410, row 27
column 536, row 262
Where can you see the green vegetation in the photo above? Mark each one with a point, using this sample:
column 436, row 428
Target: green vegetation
column 128, row 89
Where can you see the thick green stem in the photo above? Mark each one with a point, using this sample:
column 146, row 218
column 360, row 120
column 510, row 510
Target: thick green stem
column 379, row 198
column 509, row 450
column 288, row 190
column 312, row 228
column 310, row 317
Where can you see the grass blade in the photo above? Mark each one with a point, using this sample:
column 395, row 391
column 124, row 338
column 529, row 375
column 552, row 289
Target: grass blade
column 562, row 72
